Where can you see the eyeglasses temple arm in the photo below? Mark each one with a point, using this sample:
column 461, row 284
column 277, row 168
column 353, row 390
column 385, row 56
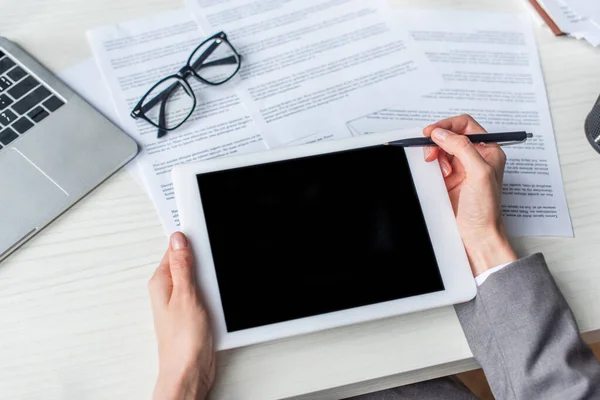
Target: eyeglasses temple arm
column 223, row 61
column 205, row 54
column 160, row 97
column 198, row 64
column 161, row 119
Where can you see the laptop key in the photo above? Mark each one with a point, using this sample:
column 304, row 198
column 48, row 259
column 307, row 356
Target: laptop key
column 16, row 74
column 22, row 125
column 38, row 114
column 53, row 103
column 5, row 83
column 33, row 98
column 7, row 117
column 6, row 64
column 7, row 136
column 5, row 101
column 23, row 87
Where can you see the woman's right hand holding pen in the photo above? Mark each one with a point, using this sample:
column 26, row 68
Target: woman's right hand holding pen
column 473, row 174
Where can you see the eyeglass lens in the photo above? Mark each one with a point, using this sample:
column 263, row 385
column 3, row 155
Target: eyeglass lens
column 215, row 61
column 168, row 104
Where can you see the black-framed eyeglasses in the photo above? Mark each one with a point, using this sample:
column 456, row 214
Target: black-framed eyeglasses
column 171, row 101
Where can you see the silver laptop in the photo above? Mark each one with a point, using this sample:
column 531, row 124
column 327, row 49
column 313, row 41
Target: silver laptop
column 54, row 147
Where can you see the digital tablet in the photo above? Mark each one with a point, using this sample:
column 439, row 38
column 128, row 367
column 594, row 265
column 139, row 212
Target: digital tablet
column 296, row 240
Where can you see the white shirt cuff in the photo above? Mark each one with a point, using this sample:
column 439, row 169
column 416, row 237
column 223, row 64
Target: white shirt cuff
column 481, row 278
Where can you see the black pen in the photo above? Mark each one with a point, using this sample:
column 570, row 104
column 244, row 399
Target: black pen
column 502, row 139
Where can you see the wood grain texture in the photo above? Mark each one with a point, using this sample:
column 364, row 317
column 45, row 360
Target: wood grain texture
column 75, row 320
column 477, row 383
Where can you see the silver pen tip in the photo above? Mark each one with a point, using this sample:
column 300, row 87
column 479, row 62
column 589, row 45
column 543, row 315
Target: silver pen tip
column 529, row 135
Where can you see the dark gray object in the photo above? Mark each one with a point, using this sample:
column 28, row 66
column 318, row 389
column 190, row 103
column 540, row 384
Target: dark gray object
column 54, row 147
column 592, row 126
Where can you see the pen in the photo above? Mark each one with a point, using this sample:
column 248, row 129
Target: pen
column 502, row 139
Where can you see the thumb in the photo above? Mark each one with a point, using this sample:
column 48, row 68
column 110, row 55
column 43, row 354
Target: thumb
column 181, row 263
column 459, row 146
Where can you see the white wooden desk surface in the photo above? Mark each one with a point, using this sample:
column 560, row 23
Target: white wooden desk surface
column 75, row 320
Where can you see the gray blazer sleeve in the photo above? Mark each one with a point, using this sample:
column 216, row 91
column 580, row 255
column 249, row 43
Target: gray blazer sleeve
column 523, row 334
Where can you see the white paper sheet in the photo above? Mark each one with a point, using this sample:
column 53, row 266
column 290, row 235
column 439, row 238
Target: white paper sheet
column 132, row 57
column 589, row 9
column 587, row 14
column 569, row 21
column 492, row 71
column 311, row 65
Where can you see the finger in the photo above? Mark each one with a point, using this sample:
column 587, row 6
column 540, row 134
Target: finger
column 445, row 164
column 460, row 147
column 462, row 124
column 181, row 262
column 428, row 129
column 160, row 285
column 431, row 153
column 458, row 174
column 454, row 179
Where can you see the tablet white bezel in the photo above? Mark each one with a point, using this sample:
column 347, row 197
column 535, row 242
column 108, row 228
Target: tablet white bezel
column 443, row 231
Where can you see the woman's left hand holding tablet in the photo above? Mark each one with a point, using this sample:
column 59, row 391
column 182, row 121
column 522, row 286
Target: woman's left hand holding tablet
column 182, row 325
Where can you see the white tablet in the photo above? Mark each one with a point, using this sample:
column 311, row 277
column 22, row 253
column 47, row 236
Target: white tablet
column 301, row 239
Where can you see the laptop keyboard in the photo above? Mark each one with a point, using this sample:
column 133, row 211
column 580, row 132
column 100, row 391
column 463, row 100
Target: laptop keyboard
column 24, row 101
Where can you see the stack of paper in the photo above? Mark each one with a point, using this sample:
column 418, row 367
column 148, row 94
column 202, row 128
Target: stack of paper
column 491, row 71
column 323, row 63
column 320, row 70
column 577, row 18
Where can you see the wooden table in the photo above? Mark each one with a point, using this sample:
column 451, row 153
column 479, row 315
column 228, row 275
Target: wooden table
column 75, row 320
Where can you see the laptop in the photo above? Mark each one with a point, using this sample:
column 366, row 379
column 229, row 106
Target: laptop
column 54, row 147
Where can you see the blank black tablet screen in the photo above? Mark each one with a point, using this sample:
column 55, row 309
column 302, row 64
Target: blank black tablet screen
column 302, row 237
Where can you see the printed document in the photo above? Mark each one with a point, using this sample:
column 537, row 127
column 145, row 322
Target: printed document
column 491, row 70
column 566, row 16
column 311, row 65
column 132, row 57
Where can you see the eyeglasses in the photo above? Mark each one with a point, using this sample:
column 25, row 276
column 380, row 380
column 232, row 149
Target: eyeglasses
column 171, row 101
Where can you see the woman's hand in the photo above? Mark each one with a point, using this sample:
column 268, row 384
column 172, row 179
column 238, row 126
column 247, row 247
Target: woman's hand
column 473, row 175
column 185, row 347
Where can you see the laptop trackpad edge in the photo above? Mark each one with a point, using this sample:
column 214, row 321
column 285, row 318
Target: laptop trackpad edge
column 30, row 197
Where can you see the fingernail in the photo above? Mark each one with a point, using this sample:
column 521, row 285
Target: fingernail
column 426, row 152
column 440, row 134
column 178, row 241
column 445, row 168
